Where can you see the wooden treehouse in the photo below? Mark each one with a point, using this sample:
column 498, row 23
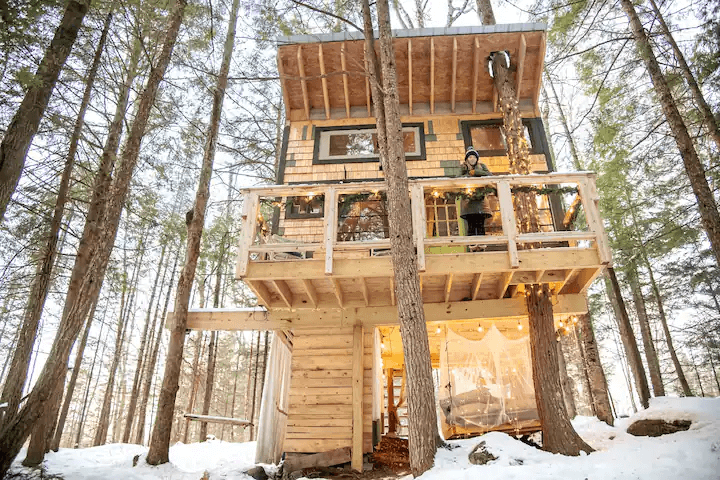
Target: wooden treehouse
column 315, row 247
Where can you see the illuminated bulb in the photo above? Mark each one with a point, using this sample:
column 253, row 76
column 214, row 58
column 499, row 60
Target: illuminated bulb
column 438, row 330
column 520, row 327
column 469, row 190
column 311, row 195
column 382, row 346
column 480, row 329
column 561, row 324
column 574, row 319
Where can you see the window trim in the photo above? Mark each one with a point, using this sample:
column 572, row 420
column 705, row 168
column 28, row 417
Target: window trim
column 290, row 215
column 536, row 138
column 409, row 158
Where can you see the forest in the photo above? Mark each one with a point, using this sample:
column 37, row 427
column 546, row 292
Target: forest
column 130, row 128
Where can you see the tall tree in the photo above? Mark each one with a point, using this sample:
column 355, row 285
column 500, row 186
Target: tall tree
column 16, row 430
column 693, row 166
column 160, row 442
column 21, row 131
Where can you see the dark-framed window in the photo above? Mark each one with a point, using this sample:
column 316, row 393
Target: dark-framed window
column 305, row 207
column 487, row 138
column 358, row 143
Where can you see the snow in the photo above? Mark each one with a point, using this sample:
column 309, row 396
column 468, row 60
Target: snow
column 693, row 454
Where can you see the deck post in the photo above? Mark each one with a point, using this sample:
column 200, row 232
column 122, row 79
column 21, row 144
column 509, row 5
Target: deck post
column 417, row 205
column 330, row 222
column 249, row 218
column 357, row 395
column 509, row 225
column 590, row 201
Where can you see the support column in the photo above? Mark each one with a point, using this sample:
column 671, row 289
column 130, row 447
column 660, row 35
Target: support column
column 357, row 396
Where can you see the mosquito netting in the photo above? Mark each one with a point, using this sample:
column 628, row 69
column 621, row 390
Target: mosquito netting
column 486, row 384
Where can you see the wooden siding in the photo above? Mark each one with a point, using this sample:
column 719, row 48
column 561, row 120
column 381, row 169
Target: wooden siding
column 320, row 407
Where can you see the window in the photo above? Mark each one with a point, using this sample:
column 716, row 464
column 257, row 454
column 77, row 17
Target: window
column 360, row 144
column 488, row 138
column 305, row 207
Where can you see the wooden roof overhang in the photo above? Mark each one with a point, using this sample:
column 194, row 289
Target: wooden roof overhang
column 440, row 71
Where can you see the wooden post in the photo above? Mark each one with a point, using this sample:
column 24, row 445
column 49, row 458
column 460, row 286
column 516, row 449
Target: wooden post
column 392, row 414
column 417, row 205
column 330, row 221
column 590, row 201
column 357, row 396
column 509, row 225
column 249, row 217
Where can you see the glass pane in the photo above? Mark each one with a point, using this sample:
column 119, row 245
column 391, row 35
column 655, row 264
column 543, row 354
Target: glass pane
column 441, row 213
column 487, row 137
column 442, row 229
column 352, row 144
column 409, row 141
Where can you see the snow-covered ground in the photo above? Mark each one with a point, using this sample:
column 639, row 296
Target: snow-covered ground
column 694, row 454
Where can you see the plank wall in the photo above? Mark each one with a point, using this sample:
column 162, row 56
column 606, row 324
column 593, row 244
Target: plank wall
column 320, row 407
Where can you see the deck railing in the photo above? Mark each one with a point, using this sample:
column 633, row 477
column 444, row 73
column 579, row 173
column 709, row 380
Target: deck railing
column 509, row 239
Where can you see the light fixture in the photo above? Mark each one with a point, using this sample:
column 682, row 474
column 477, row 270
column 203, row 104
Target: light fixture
column 438, row 330
column 436, row 194
column 480, row 328
column 574, row 319
column 520, row 327
column 311, row 195
column 561, row 324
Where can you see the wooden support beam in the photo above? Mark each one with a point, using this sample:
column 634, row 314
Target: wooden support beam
column 582, row 280
column 282, row 287
column 249, row 221
column 495, row 98
column 476, row 72
column 454, row 75
column 520, row 67
column 568, row 274
column 503, row 284
column 286, row 319
column 323, row 79
column 330, row 224
column 337, row 290
column 448, row 286
column 538, row 72
column 283, row 83
column 311, row 292
column 303, row 82
column 213, row 419
column 410, row 75
column 432, row 75
column 538, row 275
column 392, row 290
column 261, row 291
column 392, row 411
column 346, row 88
column 365, row 293
column 357, row 397
column 475, row 288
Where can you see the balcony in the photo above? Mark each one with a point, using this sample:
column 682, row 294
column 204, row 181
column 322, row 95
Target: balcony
column 338, row 258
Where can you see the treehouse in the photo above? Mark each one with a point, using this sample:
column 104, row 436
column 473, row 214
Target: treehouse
column 315, row 247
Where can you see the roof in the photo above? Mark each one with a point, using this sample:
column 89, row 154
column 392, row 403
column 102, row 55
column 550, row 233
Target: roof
column 440, row 70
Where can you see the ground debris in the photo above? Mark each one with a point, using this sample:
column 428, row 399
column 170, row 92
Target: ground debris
column 655, row 428
column 394, row 453
column 480, row 455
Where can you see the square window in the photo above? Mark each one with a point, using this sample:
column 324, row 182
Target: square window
column 305, row 207
column 360, row 144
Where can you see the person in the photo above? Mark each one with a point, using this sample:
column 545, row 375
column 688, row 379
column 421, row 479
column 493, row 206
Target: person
column 477, row 210
column 473, row 166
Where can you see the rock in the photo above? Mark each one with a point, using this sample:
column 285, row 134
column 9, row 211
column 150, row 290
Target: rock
column 480, row 455
column 655, row 428
column 258, row 473
column 136, row 459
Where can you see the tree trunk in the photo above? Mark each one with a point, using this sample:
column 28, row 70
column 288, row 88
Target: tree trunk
column 585, row 373
column 209, row 379
column 236, row 374
column 254, row 389
column 195, row 379
column 248, row 383
column 693, row 166
column 596, row 374
column 18, row 428
column 565, row 381
column 705, row 110
column 141, row 354
column 628, row 337
column 559, row 436
column 648, row 344
column 160, row 443
column 422, row 416
column 41, row 282
column 55, row 445
column 150, row 365
column 24, row 125
column 485, row 12
column 81, row 422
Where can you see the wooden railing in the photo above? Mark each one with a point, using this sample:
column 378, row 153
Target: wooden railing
column 510, row 237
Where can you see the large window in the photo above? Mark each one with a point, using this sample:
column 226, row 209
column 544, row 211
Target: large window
column 359, row 143
column 488, row 138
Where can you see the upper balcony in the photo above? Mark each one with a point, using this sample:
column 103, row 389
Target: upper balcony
column 332, row 251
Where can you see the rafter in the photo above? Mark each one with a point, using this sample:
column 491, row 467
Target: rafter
column 520, row 67
column 454, row 75
column 323, row 79
column 346, row 88
column 410, row 75
column 432, row 75
column 303, row 82
column 285, row 293
column 476, row 72
column 311, row 292
column 475, row 288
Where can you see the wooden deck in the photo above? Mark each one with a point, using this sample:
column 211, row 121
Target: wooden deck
column 359, row 274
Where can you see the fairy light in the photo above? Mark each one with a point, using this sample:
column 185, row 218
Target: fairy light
column 561, row 324
column 469, row 190
column 480, row 328
column 575, row 320
column 436, row 194
column 519, row 325
column 438, row 330
column 311, row 195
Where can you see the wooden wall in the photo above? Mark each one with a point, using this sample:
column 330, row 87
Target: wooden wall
column 320, row 414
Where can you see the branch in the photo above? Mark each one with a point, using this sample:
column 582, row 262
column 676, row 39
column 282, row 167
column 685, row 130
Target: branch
column 324, row 12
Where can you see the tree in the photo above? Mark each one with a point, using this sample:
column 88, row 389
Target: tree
column 422, row 417
column 17, row 428
column 19, row 134
column 160, row 442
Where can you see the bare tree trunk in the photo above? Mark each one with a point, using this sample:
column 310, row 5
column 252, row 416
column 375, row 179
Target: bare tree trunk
column 141, row 354
column 595, row 372
column 565, row 381
column 160, row 443
column 248, row 383
column 254, row 389
column 559, row 436
column 41, row 282
column 209, row 379
column 485, row 12
column 234, row 394
column 195, row 379
column 422, row 417
column 21, row 131
column 16, row 430
column 693, row 166
column 585, row 374
column 73, row 380
column 649, row 346
column 628, row 337
column 705, row 110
